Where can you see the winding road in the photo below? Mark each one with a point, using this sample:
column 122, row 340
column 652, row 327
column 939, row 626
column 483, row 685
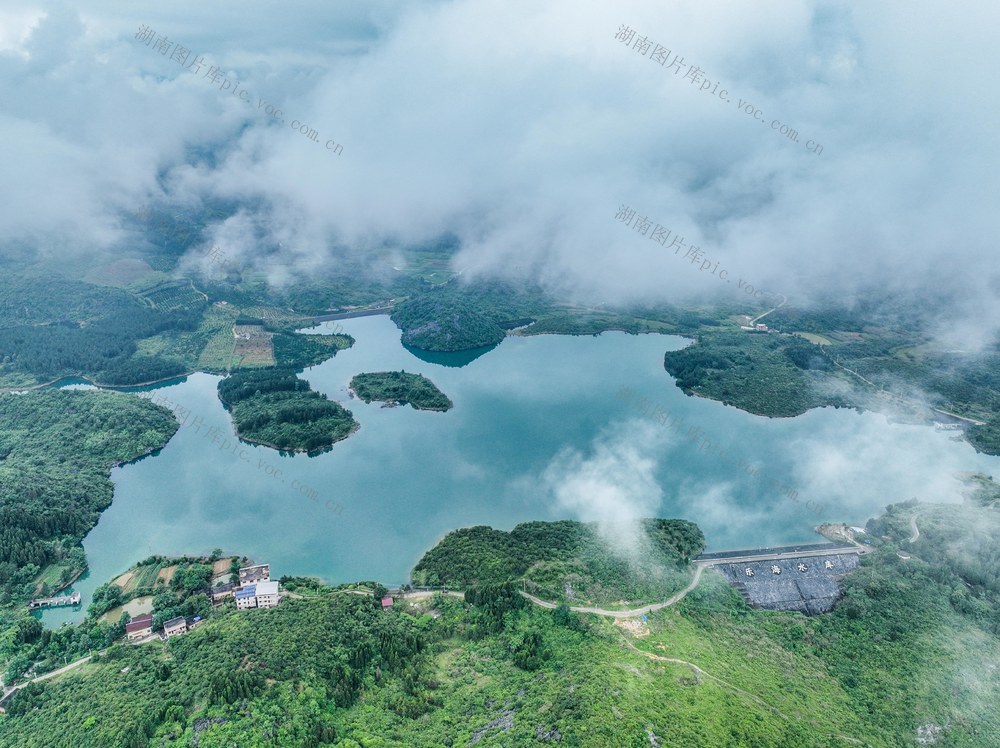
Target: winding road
column 784, row 300
column 700, row 567
column 695, row 580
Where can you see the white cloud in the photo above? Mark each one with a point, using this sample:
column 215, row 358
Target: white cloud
column 614, row 486
column 521, row 127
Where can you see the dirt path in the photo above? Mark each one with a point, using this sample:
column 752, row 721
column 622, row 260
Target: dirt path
column 695, row 580
column 727, row 684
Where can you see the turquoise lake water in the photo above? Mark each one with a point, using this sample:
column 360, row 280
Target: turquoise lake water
column 540, row 430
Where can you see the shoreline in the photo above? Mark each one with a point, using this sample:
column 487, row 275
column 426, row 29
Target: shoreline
column 295, row 450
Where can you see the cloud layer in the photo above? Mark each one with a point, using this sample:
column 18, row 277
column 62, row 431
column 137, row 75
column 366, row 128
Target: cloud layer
column 521, row 127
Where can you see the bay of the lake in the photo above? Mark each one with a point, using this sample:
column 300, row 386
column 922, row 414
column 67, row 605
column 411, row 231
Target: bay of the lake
column 539, row 431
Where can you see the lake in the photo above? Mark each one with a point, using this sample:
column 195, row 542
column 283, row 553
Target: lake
column 541, row 429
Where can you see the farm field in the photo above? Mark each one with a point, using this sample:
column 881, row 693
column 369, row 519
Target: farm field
column 173, row 296
column 253, row 345
column 134, row 607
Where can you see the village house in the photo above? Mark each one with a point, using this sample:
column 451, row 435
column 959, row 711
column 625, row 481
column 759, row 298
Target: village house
column 267, row 594
column 260, row 595
column 386, row 602
column 175, row 627
column 139, row 627
column 223, row 591
column 258, row 573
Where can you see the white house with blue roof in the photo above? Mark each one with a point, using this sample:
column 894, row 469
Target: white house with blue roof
column 258, row 595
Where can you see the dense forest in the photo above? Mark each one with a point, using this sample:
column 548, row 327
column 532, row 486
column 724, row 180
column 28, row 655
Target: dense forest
column 275, row 408
column 270, row 677
column 297, row 350
column 767, row 375
column 51, row 327
column 56, row 453
column 567, row 559
column 400, row 388
column 445, row 324
column 456, row 317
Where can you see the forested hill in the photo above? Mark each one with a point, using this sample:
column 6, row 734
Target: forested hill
column 445, row 325
column 554, row 557
column 52, row 327
column 56, row 451
column 458, row 318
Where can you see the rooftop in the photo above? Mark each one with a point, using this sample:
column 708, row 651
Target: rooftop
column 138, row 623
column 173, row 622
column 267, row 588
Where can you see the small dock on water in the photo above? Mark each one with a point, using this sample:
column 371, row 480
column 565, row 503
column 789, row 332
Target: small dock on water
column 55, row 602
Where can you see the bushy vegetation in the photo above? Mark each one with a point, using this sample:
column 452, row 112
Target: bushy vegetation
column 400, row 388
column 275, row 408
column 272, row 677
column 567, row 560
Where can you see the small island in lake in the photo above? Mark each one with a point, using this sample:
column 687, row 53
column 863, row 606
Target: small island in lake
column 275, row 408
column 399, row 388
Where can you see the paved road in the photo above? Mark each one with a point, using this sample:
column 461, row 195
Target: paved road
column 7, row 692
column 700, row 566
column 784, row 300
column 428, row 593
column 695, row 580
column 788, row 554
